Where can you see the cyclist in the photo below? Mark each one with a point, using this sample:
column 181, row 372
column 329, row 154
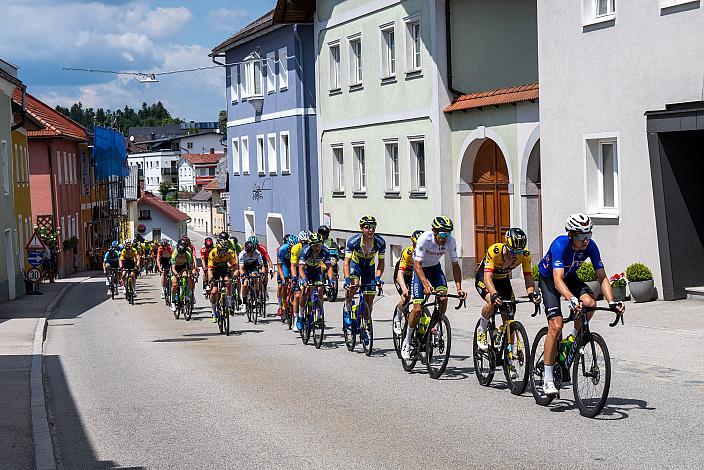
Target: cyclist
column 163, row 254
column 192, row 249
column 558, row 278
column 204, row 252
column 403, row 274
column 361, row 250
column 295, row 254
column 221, row 261
column 493, row 280
column 313, row 261
column 234, row 246
column 250, row 261
column 333, row 249
column 428, row 275
column 129, row 262
column 147, row 250
column 181, row 261
column 268, row 265
column 111, row 261
column 283, row 255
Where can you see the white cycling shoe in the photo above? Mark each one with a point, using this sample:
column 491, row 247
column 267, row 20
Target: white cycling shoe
column 549, row 389
column 173, row 307
column 406, row 350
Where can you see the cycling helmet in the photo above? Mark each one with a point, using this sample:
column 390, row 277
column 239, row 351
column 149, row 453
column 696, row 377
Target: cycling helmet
column 186, row 240
column 208, row 242
column 234, row 240
column 516, row 239
column 181, row 248
column 443, row 224
column 367, row 221
column 286, row 238
column 223, row 245
column 254, row 240
column 579, row 222
column 223, row 236
column 249, row 247
column 415, row 235
column 315, row 239
column 303, row 236
column 324, row 230
column 292, row 239
column 128, row 244
column 114, row 244
column 164, row 243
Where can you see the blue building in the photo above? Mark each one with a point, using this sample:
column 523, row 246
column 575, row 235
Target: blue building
column 271, row 128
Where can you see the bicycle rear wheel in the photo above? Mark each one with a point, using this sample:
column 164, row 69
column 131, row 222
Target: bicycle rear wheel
column 366, row 331
column 484, row 361
column 318, row 326
column 517, row 358
column 537, row 369
column 438, row 343
column 591, row 375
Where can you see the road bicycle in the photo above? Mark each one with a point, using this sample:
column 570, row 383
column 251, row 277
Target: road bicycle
column 590, row 361
column 432, row 337
column 255, row 306
column 332, row 289
column 167, row 287
column 112, row 282
column 221, row 308
column 313, row 315
column 508, row 348
column 403, row 318
column 362, row 322
column 287, row 304
column 185, row 301
column 129, row 285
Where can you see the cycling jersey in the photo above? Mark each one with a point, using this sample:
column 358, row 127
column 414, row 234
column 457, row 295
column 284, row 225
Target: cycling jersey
column 495, row 263
column 179, row 259
column 217, row 259
column 111, row 257
column 128, row 254
column 405, row 262
column 251, row 261
column 164, row 252
column 311, row 260
column 429, row 253
column 204, row 252
column 265, row 254
column 332, row 247
column 236, row 247
column 296, row 253
column 283, row 255
column 562, row 255
column 357, row 252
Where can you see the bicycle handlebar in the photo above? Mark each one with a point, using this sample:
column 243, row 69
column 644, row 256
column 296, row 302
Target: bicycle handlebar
column 463, row 300
column 574, row 314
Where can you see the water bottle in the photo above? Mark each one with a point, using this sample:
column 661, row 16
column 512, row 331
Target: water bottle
column 565, row 346
column 354, row 312
column 498, row 336
column 423, row 324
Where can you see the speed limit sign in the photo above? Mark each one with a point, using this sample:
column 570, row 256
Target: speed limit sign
column 34, row 275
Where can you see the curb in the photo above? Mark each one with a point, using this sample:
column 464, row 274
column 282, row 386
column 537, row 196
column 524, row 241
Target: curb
column 43, row 444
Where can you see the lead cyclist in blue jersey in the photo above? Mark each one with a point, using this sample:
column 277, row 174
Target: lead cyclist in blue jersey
column 558, row 278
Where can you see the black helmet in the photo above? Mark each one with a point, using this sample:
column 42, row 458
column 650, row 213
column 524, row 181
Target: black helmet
column 181, row 248
column 223, row 236
column 208, row 241
column 164, row 242
column 249, row 247
column 286, row 238
column 443, row 224
column 324, row 230
column 415, row 235
column 516, row 239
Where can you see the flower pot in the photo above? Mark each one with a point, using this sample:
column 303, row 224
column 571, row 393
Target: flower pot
column 619, row 293
column 642, row 291
column 595, row 287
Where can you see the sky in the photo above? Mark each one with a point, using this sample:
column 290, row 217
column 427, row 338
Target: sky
column 42, row 36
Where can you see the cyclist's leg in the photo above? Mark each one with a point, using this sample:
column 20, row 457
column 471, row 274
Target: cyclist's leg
column 367, row 281
column 553, row 312
column 437, row 279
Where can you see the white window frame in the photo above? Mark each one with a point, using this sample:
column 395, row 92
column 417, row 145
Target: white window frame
column 254, row 69
column 590, row 14
column 414, row 49
column 388, row 50
column 615, row 175
column 270, row 75
column 594, row 177
column 416, row 187
column 244, row 154
column 359, row 167
column 241, row 81
column 16, row 161
column 664, row 4
column 338, row 168
column 285, row 152
column 356, row 60
column 58, row 166
column 74, row 173
column 235, row 152
column 234, row 88
column 260, row 154
column 334, row 73
column 271, row 153
column 6, row 167
column 67, row 175
column 392, row 170
column 283, row 69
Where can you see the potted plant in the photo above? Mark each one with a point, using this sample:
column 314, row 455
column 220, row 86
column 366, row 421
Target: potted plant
column 618, row 286
column 587, row 275
column 640, row 282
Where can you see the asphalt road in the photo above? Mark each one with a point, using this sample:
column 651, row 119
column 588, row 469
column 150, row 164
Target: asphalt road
column 130, row 386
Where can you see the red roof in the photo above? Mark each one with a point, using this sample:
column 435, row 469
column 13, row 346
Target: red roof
column 213, row 186
column 495, row 97
column 163, row 207
column 55, row 124
column 203, row 158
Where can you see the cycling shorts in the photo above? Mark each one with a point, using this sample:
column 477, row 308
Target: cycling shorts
column 165, row 263
column 435, row 277
column 502, row 285
column 365, row 274
column 128, row 264
column 551, row 296
column 220, row 272
column 313, row 274
column 408, row 277
column 113, row 264
column 181, row 267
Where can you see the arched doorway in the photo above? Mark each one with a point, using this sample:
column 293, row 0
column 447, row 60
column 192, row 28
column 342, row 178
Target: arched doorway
column 533, row 205
column 492, row 201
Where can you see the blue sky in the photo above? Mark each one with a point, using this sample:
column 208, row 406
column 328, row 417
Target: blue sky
column 42, row 36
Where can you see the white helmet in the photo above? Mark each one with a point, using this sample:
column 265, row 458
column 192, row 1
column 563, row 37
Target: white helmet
column 579, row 222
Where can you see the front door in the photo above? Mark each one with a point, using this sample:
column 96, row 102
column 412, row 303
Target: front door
column 492, row 201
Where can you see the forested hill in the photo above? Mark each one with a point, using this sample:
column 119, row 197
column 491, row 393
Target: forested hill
column 122, row 119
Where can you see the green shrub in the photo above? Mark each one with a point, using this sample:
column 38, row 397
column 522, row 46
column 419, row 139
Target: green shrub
column 586, row 272
column 536, row 272
column 638, row 272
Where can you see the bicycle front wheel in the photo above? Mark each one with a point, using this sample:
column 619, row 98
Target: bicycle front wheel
column 256, row 307
column 409, row 364
column 591, row 376
column 537, row 369
column 188, row 307
column 366, row 331
column 438, row 342
column 307, row 324
column 319, row 327
column 517, row 358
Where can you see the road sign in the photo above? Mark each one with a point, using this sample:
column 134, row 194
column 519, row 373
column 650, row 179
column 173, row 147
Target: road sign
column 33, row 275
column 35, row 258
column 35, row 243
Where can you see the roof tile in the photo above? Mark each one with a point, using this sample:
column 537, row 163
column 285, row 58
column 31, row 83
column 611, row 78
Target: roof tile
column 163, row 207
column 495, row 97
column 203, row 158
column 55, row 124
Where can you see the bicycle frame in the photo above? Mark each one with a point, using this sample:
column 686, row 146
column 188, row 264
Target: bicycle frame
column 584, row 332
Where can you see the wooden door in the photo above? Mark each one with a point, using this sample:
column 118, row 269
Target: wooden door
column 492, row 201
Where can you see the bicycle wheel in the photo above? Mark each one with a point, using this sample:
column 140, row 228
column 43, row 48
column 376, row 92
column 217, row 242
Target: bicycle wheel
column 307, row 323
column 438, row 343
column 219, row 307
column 591, row 375
column 484, row 361
column 537, row 369
column 249, row 307
column 112, row 290
column 516, row 358
column 398, row 339
column 350, row 336
column 289, row 314
column 318, row 326
column 188, row 306
column 366, row 331
column 408, row 365
column 256, row 308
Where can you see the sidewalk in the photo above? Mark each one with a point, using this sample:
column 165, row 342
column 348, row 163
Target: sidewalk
column 18, row 322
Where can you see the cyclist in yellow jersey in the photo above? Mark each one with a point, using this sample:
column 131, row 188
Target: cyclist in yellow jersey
column 493, row 280
column 221, row 261
column 295, row 256
column 129, row 261
column 403, row 274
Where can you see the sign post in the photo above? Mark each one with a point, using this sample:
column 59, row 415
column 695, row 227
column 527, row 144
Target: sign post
column 35, row 255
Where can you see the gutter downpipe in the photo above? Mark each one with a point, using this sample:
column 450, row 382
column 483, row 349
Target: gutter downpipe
column 448, row 47
column 24, row 109
column 55, row 209
column 306, row 127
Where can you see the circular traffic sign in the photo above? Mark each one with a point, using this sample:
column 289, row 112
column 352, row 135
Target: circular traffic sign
column 35, row 258
column 34, row 275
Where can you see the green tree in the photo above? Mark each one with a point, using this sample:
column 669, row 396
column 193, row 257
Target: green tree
column 165, row 188
column 222, row 122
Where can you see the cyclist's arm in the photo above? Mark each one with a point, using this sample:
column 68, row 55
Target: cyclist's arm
column 401, row 279
column 380, row 267
column 457, row 275
column 488, row 280
column 348, row 260
column 558, row 276
column 418, row 269
column 605, row 284
column 301, row 270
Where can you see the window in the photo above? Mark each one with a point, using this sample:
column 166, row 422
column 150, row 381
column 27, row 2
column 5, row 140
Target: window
column 145, row 214
column 608, row 175
column 413, row 44
column 58, row 166
column 393, row 178
column 234, row 90
column 74, row 178
column 67, row 174
column 604, row 7
column 602, row 184
column 671, row 3
column 189, row 145
column 360, row 169
column 271, row 153
column 253, row 77
column 338, row 173
column 15, row 158
column 63, row 228
column 285, row 153
column 388, row 53
column 355, row 60
column 334, row 67
column 241, row 81
column 244, row 153
column 235, row 152
column 597, row 11
column 6, row 168
column 417, row 165
column 283, row 69
column 260, row 154
column 270, row 77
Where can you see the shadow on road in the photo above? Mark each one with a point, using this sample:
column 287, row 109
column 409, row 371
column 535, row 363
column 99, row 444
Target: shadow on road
column 615, row 409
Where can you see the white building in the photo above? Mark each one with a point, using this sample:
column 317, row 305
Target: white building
column 200, row 210
column 157, row 219
column 197, row 170
column 622, row 131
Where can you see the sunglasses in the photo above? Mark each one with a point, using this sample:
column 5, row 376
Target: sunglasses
column 580, row 237
column 444, row 234
column 370, row 226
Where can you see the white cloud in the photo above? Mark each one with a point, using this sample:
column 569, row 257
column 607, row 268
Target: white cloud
column 228, row 20
column 164, row 22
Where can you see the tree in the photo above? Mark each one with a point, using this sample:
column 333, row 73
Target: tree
column 155, row 114
column 165, row 188
column 222, row 122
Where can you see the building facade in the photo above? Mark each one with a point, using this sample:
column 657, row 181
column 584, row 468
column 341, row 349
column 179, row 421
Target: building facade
column 200, row 210
column 622, row 120
column 197, row 170
column 271, row 129
column 157, row 219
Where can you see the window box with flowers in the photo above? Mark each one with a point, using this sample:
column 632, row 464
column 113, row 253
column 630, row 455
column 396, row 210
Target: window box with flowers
column 618, row 287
